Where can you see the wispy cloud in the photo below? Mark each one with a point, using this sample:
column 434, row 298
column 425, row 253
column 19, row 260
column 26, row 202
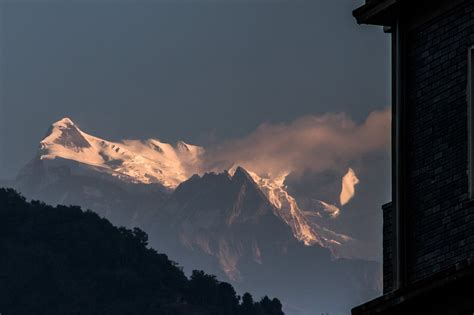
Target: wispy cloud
column 314, row 143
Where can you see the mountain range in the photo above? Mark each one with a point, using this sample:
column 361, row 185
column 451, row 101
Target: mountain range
column 243, row 226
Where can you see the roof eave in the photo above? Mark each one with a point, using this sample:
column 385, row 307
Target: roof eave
column 383, row 12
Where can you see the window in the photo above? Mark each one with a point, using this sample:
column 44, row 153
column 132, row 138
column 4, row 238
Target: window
column 470, row 104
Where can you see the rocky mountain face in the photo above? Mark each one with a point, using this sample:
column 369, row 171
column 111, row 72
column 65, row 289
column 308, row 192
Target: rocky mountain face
column 225, row 217
column 234, row 223
column 225, row 223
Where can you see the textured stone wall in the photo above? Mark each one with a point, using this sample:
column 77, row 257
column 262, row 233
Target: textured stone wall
column 440, row 216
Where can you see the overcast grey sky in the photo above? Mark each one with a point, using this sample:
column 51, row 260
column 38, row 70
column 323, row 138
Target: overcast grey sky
column 201, row 71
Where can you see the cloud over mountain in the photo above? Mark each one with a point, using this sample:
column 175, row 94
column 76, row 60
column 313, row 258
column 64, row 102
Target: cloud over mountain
column 314, row 143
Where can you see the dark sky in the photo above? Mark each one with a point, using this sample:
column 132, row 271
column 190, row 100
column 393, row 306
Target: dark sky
column 200, row 71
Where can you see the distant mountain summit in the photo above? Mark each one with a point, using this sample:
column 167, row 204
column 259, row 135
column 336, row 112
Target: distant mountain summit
column 64, row 133
column 150, row 161
column 222, row 216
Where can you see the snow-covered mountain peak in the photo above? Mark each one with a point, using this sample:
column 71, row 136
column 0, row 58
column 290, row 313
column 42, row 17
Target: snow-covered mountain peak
column 66, row 134
column 237, row 171
column 66, row 121
column 150, row 161
column 231, row 170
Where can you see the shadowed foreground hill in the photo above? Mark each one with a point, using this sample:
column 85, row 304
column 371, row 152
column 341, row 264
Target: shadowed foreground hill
column 61, row 260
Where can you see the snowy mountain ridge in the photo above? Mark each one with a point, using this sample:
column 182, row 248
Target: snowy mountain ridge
column 156, row 162
column 150, row 161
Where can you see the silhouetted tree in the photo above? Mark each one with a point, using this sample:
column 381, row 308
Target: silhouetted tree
column 203, row 288
column 247, row 306
column 271, row 306
column 140, row 236
column 228, row 301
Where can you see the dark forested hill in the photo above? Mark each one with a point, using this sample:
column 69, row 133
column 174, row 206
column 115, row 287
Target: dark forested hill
column 62, row 260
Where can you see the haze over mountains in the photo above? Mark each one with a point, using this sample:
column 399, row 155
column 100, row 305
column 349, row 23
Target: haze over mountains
column 237, row 222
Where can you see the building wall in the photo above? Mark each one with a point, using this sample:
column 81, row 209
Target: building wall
column 440, row 227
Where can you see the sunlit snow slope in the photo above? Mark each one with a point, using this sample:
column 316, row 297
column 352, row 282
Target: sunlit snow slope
column 150, row 161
